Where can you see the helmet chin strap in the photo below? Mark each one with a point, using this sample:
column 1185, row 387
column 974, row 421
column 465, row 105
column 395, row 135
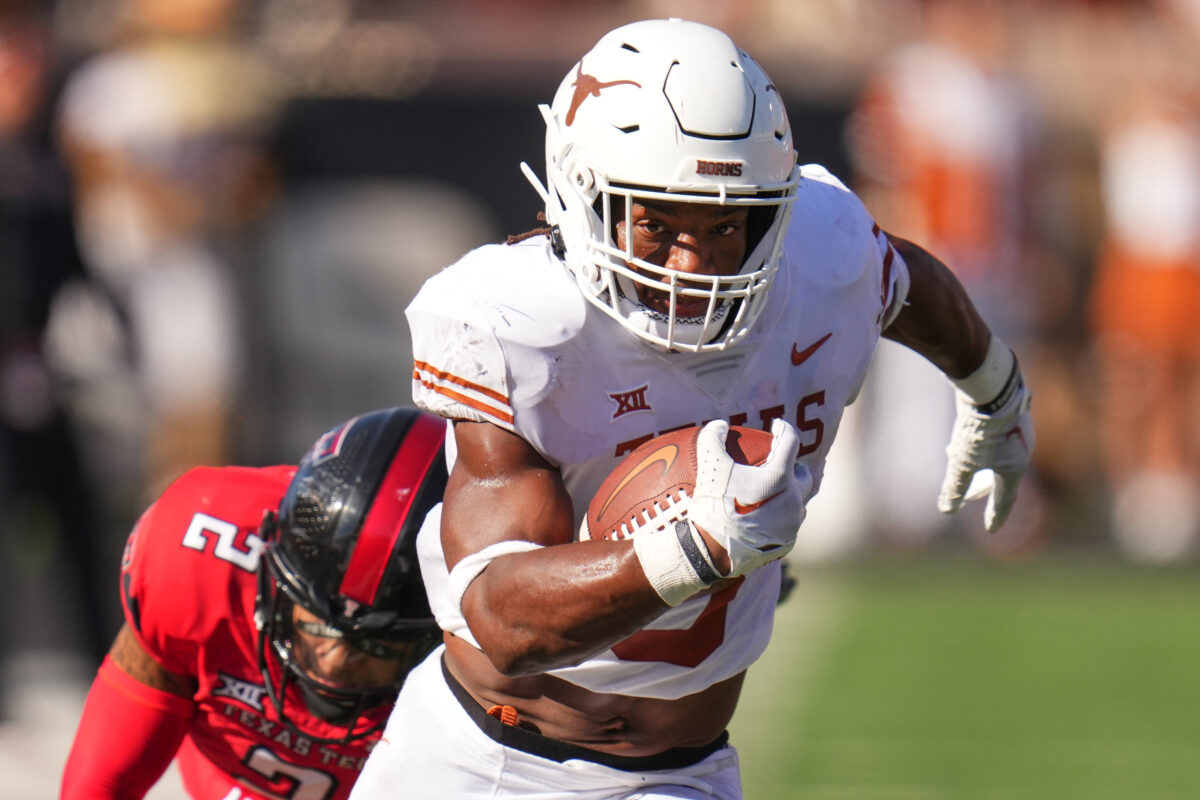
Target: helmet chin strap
column 334, row 710
column 280, row 672
column 688, row 331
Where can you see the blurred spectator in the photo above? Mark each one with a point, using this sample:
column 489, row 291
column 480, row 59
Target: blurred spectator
column 351, row 253
column 1145, row 313
column 942, row 140
column 163, row 133
column 48, row 565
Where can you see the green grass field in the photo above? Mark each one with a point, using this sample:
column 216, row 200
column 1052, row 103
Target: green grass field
column 950, row 677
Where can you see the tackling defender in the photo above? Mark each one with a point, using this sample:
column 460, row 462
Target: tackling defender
column 264, row 650
column 691, row 274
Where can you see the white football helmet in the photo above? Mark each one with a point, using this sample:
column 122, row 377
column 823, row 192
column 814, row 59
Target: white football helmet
column 668, row 110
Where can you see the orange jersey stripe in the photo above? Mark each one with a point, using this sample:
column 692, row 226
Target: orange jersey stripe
column 421, row 366
column 459, row 397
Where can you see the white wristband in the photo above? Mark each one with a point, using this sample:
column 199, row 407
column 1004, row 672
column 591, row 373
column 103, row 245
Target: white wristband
column 986, row 383
column 676, row 561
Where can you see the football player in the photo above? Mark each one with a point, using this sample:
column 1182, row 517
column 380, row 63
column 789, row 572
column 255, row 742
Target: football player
column 692, row 274
column 271, row 615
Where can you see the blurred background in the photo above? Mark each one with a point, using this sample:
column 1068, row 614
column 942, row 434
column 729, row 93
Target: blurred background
column 213, row 213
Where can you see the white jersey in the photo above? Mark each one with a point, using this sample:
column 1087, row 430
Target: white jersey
column 505, row 336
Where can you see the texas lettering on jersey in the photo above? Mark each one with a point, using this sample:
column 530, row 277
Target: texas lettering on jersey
column 279, row 734
column 811, row 426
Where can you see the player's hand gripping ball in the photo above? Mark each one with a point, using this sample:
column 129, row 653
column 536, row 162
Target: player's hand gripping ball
column 649, row 488
column 704, row 504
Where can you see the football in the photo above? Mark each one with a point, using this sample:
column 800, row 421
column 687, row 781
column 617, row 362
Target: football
column 646, row 487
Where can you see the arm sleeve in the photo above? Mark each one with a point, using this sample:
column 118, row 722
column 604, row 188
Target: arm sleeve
column 151, row 725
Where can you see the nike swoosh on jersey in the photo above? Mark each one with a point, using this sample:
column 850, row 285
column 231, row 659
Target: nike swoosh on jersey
column 665, row 454
column 800, row 356
column 746, row 509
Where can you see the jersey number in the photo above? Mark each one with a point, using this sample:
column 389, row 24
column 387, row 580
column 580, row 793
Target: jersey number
column 203, row 526
column 302, row 783
column 686, row 647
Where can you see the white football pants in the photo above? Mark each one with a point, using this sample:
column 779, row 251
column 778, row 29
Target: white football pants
column 432, row 750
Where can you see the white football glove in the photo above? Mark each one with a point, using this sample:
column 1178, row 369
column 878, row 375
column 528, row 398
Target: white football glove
column 753, row 512
column 996, row 436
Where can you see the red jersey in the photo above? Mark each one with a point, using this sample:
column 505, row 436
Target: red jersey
column 188, row 584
